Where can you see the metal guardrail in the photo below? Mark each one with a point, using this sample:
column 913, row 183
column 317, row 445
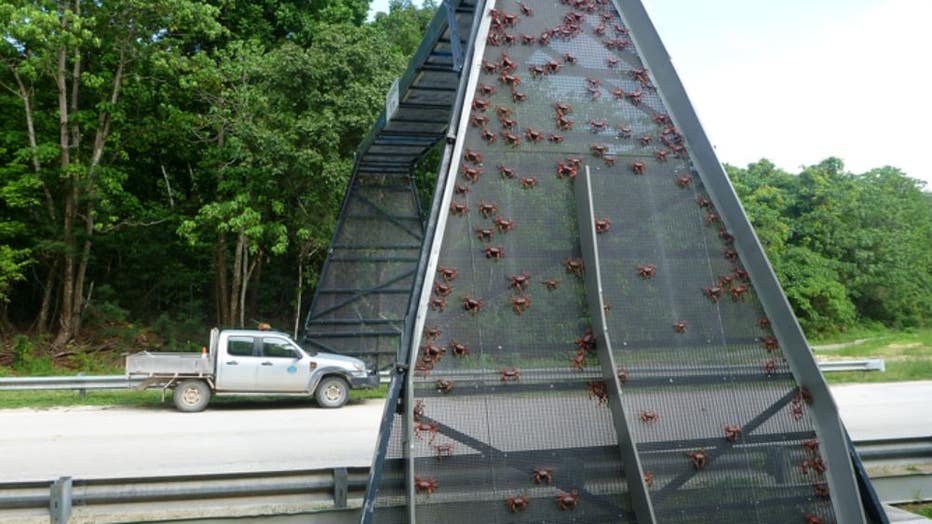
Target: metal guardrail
column 342, row 488
column 104, row 382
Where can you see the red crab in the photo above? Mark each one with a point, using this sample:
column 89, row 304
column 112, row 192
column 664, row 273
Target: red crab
column 441, row 289
column 520, row 282
column 623, row 375
column 503, row 111
column 703, row 202
column 508, row 122
column 599, row 391
column 520, row 304
column 820, row 490
column 528, row 182
column 574, row 266
column 602, row 225
column 458, row 208
column 562, row 108
column 597, row 125
column 442, row 451
column 418, row 411
column 512, row 139
column 816, row 464
column 683, row 181
column 567, row 501
column 770, row 366
column 648, row 479
column 494, row 252
column 488, row 136
column 680, row 326
column 532, row 135
column 423, row 484
column 648, row 271
column 770, row 343
column 739, row 292
column 661, row 155
column 487, row 208
column 579, row 361
column 645, row 140
column 432, row 353
column 422, row 427
column 486, row 90
column 480, row 104
column 763, row 322
column 698, row 458
column 432, row 333
column 648, row 416
column 624, row 132
column 444, row 386
column 542, row 475
column 510, row 374
column 472, row 156
column 730, row 254
column 551, row 284
column 812, row 519
column 565, row 124
column 438, row 304
column 479, row 120
column 713, row 292
column 459, row 349
column 473, row 305
column 598, row 150
column 609, row 159
column 485, row 234
column 506, row 172
column 504, row 225
column 712, row 217
column 461, row 189
column 447, row 273
column 732, row 432
column 555, row 139
column 811, row 446
column 566, row 170
column 518, row 96
column 517, row 503
column 587, row 342
column 638, row 167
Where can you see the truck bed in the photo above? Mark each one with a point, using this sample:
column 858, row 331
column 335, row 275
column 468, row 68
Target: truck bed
column 163, row 363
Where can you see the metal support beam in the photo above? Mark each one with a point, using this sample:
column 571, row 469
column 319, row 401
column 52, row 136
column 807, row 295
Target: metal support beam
column 60, row 501
column 845, row 497
column 585, row 216
column 455, row 43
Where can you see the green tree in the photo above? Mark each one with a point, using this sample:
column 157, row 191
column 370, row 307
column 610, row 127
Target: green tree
column 69, row 62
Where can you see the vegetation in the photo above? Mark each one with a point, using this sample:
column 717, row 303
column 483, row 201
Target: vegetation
column 907, row 355
column 167, row 165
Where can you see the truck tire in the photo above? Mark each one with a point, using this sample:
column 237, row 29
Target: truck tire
column 191, row 395
column 332, row 392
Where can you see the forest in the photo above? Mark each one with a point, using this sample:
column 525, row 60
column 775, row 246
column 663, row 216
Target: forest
column 168, row 165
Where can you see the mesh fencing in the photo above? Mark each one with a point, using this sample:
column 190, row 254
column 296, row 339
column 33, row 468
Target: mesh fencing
column 510, row 414
column 361, row 297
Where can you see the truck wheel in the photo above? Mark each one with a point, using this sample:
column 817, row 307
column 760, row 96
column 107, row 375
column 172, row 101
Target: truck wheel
column 191, row 395
column 332, row 392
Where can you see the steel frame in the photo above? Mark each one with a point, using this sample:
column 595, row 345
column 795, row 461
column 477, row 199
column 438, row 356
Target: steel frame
column 845, row 497
column 847, row 502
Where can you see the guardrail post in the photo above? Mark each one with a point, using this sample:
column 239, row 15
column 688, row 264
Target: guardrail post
column 82, row 393
column 340, row 487
column 60, row 501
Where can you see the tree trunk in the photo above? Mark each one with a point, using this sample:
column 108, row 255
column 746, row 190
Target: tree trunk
column 237, row 278
column 42, row 322
column 248, row 269
column 66, row 326
column 299, row 292
column 223, row 304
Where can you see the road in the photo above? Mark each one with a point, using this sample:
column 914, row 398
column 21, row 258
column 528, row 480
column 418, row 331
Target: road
column 89, row 442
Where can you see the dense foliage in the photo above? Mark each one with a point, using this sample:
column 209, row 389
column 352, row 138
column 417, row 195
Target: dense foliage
column 182, row 162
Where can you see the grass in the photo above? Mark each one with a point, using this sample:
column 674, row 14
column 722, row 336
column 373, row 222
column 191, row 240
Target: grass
column 922, row 508
column 907, row 354
column 152, row 399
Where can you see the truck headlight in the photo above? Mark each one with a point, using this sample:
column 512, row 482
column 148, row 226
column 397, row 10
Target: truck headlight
column 359, row 366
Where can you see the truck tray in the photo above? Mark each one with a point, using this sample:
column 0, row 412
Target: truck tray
column 161, row 363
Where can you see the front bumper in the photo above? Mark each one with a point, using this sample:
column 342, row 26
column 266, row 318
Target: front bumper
column 368, row 381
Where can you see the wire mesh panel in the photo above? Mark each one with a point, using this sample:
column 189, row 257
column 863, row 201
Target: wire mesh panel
column 509, row 419
column 365, row 286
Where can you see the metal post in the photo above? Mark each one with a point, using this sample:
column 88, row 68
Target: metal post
column 840, row 475
column 585, row 217
column 340, row 487
column 60, row 501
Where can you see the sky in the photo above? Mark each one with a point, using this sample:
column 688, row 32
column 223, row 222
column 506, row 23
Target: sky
column 798, row 81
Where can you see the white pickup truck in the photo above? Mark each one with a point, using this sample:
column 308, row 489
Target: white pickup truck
column 250, row 362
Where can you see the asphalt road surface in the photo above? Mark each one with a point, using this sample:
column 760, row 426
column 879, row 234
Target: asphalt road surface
column 92, row 442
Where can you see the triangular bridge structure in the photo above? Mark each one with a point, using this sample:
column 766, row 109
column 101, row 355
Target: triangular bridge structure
column 591, row 332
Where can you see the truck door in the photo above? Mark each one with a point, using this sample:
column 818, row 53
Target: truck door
column 282, row 367
column 238, row 364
